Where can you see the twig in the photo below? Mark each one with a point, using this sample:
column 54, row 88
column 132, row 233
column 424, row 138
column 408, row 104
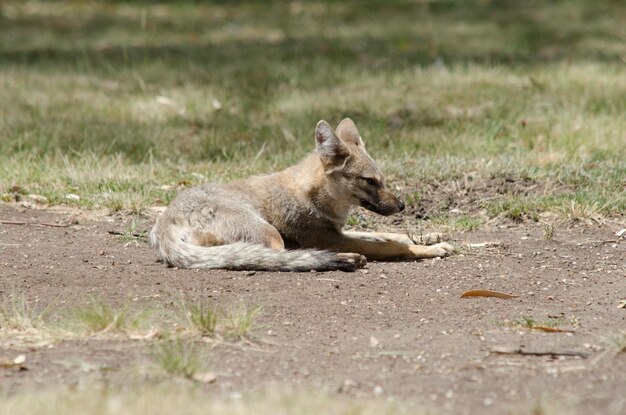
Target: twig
column 522, row 352
column 53, row 225
column 136, row 235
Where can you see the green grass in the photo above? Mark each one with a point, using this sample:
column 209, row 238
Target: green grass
column 240, row 320
column 201, row 317
column 18, row 314
column 530, row 322
column 131, row 234
column 98, row 316
column 458, row 223
column 178, row 357
column 125, row 103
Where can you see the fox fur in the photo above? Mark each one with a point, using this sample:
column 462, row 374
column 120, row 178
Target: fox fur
column 290, row 220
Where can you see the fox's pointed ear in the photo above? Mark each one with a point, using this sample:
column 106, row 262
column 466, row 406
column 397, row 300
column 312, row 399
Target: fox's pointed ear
column 347, row 132
column 330, row 148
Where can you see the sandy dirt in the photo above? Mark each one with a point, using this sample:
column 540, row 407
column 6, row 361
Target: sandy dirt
column 395, row 330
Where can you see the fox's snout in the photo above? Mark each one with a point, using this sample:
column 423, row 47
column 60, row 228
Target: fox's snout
column 384, row 203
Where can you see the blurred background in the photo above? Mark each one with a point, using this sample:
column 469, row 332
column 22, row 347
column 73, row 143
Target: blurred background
column 228, row 88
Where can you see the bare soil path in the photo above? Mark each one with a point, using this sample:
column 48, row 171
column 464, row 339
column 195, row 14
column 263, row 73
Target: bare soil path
column 394, row 329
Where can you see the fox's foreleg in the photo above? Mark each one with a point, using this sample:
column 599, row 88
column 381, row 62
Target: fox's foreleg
column 386, row 246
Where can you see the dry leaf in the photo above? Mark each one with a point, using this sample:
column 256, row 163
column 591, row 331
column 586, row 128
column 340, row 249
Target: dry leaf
column 145, row 336
column 487, row 293
column 485, row 245
column 622, row 304
column 17, row 363
column 551, row 329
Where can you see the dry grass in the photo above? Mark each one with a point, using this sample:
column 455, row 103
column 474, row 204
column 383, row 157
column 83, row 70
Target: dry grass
column 178, row 357
column 98, row 317
column 169, row 398
column 240, row 320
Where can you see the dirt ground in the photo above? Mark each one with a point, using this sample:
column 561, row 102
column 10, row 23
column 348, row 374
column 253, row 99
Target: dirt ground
column 394, row 330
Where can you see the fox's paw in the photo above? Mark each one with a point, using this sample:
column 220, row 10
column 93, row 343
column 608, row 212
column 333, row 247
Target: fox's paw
column 428, row 238
column 356, row 260
column 441, row 250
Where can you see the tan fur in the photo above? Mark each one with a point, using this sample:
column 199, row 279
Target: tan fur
column 247, row 224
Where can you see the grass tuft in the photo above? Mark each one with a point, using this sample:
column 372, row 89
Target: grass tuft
column 202, row 317
column 18, row 315
column 130, row 234
column 516, row 208
column 617, row 342
column 240, row 320
column 580, row 212
column 549, row 230
column 178, row 357
column 463, row 223
column 99, row 316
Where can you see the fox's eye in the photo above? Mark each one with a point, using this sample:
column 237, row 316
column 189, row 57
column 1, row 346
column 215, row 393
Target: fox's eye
column 370, row 181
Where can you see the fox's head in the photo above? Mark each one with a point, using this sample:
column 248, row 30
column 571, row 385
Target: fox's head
column 351, row 172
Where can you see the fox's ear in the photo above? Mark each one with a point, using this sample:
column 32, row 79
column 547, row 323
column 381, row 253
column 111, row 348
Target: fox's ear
column 347, row 132
column 330, row 148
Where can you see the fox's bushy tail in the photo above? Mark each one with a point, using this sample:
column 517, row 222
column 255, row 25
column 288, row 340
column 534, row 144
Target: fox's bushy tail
column 169, row 240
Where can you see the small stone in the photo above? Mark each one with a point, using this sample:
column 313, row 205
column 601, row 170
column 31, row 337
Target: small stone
column 374, row 342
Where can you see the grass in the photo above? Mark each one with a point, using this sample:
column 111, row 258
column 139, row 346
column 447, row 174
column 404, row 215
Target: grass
column 174, row 397
column 178, row 357
column 359, row 221
column 240, row 320
column 617, row 342
column 235, row 322
column 124, row 104
column 17, row 314
column 530, row 322
column 201, row 317
column 549, row 231
column 458, row 222
column 99, row 316
column 130, row 234
column 516, row 208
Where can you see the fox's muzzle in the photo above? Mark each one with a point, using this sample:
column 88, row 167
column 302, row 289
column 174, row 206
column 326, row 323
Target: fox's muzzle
column 387, row 204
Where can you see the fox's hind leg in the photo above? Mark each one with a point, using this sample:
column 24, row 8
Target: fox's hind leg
column 255, row 233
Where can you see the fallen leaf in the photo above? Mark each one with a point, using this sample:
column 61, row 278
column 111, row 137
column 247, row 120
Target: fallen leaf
column 487, row 293
column 145, row 336
column 622, row 304
column 17, row 363
column 620, row 233
column 485, row 244
column 552, row 329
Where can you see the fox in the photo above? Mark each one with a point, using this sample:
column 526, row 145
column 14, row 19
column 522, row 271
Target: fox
column 290, row 220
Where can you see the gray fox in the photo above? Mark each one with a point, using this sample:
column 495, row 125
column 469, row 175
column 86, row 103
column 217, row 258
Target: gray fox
column 291, row 220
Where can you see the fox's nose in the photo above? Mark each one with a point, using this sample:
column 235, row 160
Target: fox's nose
column 400, row 206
